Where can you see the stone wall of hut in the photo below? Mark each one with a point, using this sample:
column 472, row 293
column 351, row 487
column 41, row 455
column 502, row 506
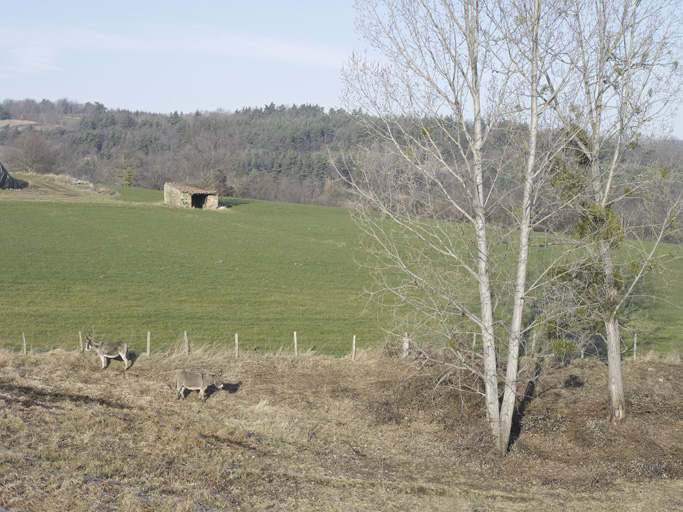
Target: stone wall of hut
column 187, row 196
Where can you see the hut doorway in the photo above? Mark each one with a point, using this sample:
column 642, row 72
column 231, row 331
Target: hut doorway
column 198, row 200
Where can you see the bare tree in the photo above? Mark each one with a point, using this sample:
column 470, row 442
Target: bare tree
column 205, row 152
column 453, row 108
column 30, row 152
column 624, row 59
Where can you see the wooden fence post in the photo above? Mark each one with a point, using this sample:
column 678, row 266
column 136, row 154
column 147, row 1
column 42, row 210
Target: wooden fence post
column 353, row 349
column 187, row 344
column 80, row 340
column 148, row 343
column 296, row 347
column 237, row 346
column 23, row 350
column 406, row 344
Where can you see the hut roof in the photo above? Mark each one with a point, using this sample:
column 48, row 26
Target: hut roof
column 190, row 189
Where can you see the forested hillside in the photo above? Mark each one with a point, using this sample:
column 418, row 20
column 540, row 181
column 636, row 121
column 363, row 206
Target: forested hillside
column 279, row 153
column 275, row 152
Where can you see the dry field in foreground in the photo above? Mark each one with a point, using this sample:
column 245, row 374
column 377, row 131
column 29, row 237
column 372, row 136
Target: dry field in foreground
column 316, row 433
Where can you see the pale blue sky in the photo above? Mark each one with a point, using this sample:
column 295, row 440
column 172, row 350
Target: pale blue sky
column 162, row 56
column 167, row 55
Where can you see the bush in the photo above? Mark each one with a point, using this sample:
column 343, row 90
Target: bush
column 561, row 348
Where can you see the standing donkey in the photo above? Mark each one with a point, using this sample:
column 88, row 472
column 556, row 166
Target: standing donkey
column 108, row 350
column 196, row 382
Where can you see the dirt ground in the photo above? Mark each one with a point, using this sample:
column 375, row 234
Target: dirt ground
column 316, row 433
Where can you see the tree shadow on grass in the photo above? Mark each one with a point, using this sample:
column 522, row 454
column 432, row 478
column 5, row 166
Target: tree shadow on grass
column 227, row 387
column 230, row 202
column 529, row 395
column 27, row 396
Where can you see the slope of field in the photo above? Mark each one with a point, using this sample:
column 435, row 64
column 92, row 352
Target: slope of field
column 117, row 263
column 317, row 433
column 120, row 266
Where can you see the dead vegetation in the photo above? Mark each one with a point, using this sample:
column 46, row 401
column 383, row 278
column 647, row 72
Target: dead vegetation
column 319, row 433
column 19, row 124
column 56, row 187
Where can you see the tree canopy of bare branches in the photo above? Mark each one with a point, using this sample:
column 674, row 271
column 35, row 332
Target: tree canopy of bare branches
column 469, row 107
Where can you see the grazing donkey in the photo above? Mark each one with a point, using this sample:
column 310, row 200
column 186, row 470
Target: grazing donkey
column 195, row 382
column 108, row 350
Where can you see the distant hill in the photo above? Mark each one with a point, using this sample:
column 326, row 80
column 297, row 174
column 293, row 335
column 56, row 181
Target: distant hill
column 275, row 152
column 280, row 153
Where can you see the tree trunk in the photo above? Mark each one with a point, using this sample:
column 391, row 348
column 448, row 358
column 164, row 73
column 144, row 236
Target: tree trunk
column 485, row 295
column 510, row 392
column 507, row 408
column 490, row 365
column 617, row 406
column 488, row 339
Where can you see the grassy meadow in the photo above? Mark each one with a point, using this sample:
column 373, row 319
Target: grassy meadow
column 119, row 267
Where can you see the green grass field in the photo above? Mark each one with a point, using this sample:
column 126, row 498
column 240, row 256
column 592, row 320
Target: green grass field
column 119, row 269
column 120, row 266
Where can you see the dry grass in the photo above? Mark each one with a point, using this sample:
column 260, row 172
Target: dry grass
column 55, row 187
column 318, row 433
column 17, row 123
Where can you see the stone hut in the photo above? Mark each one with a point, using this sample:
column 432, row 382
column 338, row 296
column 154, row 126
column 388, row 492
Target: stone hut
column 187, row 196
